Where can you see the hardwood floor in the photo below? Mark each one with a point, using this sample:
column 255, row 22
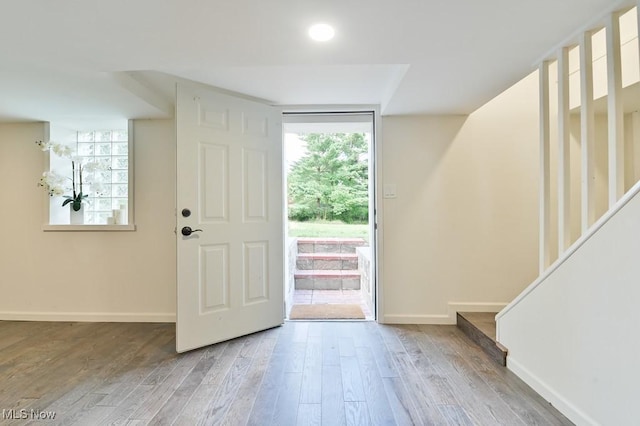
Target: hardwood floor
column 306, row 373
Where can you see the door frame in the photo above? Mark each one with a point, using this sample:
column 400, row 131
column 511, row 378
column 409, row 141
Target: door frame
column 377, row 222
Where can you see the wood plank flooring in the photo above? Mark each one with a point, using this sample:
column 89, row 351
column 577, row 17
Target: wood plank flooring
column 303, row 373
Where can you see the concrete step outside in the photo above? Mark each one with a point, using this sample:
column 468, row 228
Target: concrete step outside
column 327, row 280
column 329, row 245
column 327, row 261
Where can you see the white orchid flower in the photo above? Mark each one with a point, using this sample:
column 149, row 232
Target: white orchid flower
column 86, row 174
column 56, row 191
column 43, row 145
column 61, row 150
column 53, row 183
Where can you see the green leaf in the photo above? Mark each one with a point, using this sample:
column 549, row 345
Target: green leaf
column 67, row 201
column 331, row 180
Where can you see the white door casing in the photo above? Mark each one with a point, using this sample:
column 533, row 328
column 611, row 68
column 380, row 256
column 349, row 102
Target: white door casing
column 229, row 175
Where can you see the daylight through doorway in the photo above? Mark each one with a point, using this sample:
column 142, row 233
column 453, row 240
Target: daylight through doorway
column 329, row 215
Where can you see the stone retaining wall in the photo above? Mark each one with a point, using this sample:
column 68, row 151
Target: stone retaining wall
column 364, row 267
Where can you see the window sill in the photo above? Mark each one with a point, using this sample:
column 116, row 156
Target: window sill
column 90, row 228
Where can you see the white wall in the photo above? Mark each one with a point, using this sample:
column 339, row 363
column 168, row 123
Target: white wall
column 116, row 276
column 574, row 338
column 464, row 226
column 462, row 231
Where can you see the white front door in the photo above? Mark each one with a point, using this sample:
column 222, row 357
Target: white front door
column 229, row 168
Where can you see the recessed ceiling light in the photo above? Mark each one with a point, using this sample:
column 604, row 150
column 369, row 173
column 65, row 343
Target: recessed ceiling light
column 321, row 32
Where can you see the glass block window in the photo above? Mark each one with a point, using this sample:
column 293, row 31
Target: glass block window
column 108, row 190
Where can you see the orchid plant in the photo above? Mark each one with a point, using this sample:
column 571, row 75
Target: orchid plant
column 56, row 184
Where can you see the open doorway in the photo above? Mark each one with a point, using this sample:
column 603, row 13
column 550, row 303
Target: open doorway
column 329, row 258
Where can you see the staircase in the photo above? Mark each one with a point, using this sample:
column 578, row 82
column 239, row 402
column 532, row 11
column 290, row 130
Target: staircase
column 327, row 264
column 481, row 328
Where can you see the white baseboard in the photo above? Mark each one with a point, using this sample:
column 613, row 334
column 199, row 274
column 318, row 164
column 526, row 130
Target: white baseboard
column 443, row 319
column 475, row 307
column 87, row 316
column 569, row 410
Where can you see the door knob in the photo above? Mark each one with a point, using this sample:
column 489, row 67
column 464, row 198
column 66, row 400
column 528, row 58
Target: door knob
column 186, row 231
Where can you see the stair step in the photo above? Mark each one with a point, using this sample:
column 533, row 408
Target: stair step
column 327, row 261
column 481, row 328
column 329, row 245
column 327, row 280
column 331, row 273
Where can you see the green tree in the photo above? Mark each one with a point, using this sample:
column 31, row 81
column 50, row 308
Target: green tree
column 331, row 181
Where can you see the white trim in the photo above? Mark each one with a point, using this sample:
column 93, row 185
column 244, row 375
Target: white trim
column 327, row 109
column 324, row 117
column 131, row 196
column 444, row 319
column 455, row 307
column 587, row 134
column 544, row 196
column 378, row 248
column 572, row 412
column 615, row 110
column 88, row 316
column 571, row 250
column 564, row 153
